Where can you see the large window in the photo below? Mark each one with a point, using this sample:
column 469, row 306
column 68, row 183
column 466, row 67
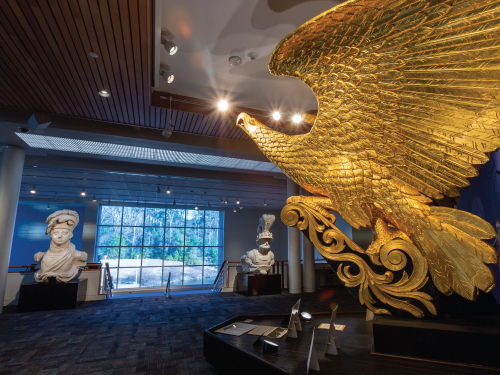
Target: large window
column 142, row 245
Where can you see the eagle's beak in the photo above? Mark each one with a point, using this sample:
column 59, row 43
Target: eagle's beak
column 247, row 123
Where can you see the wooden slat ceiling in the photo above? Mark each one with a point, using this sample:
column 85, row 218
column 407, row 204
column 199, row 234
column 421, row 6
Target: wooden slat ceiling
column 45, row 64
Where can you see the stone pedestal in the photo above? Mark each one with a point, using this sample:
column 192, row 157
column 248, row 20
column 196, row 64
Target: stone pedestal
column 258, row 285
column 49, row 296
column 443, row 340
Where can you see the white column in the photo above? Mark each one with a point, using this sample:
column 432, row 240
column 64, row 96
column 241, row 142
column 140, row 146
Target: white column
column 11, row 172
column 294, row 266
column 309, row 275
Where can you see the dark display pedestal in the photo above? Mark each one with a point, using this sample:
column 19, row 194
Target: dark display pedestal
column 453, row 340
column 49, row 296
column 237, row 355
column 258, row 285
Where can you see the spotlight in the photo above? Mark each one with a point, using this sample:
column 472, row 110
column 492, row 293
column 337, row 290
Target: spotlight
column 169, row 77
column 104, row 93
column 221, row 200
column 223, row 105
column 241, row 207
column 225, row 201
column 94, row 199
column 33, row 190
column 169, row 46
column 168, row 190
column 276, row 116
column 175, row 202
column 297, row 119
column 234, row 209
column 209, row 204
column 237, row 201
column 305, row 316
column 94, row 55
column 265, row 203
column 48, row 206
column 158, row 189
column 196, row 207
column 83, row 193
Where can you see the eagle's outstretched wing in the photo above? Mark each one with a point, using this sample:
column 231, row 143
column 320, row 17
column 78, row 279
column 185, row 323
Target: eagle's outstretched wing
column 414, row 82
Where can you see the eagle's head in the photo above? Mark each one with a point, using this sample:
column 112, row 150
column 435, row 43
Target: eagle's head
column 263, row 136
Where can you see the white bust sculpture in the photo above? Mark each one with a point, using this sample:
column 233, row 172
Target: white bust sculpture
column 62, row 260
column 260, row 261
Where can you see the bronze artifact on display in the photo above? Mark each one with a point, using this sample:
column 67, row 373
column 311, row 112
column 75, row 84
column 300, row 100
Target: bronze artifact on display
column 408, row 109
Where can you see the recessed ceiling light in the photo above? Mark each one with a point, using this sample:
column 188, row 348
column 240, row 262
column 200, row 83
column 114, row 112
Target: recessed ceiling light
column 297, row 118
column 223, row 105
column 235, row 60
column 253, row 55
column 104, row 93
column 276, row 116
column 94, row 55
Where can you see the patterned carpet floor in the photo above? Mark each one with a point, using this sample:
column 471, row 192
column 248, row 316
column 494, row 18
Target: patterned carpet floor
column 150, row 335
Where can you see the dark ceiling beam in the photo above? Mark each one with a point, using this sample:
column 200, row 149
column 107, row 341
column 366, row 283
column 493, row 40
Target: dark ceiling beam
column 206, row 107
column 151, row 169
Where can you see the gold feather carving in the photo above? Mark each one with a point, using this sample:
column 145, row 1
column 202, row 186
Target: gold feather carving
column 408, row 94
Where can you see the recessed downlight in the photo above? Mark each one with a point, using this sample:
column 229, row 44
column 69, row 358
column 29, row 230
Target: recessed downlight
column 297, row 118
column 223, row 105
column 276, row 115
column 94, row 55
column 104, row 93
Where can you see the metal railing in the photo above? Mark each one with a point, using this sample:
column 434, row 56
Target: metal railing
column 108, row 282
column 219, row 280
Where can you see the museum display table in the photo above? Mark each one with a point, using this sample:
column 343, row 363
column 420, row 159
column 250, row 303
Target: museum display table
column 258, row 285
column 49, row 296
column 237, row 355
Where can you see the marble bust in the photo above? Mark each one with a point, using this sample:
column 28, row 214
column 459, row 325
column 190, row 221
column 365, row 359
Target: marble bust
column 259, row 261
column 62, row 260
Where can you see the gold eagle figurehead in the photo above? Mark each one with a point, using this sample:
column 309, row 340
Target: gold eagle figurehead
column 407, row 109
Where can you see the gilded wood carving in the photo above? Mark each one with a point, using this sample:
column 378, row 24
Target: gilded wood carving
column 407, row 93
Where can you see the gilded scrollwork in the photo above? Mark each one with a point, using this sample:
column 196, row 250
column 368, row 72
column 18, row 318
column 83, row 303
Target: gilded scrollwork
column 331, row 243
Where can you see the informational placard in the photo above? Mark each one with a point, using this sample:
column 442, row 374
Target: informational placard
column 312, row 359
column 338, row 327
column 236, row 329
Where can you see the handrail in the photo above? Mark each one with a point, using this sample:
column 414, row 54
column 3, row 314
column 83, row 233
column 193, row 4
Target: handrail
column 219, row 281
column 108, row 282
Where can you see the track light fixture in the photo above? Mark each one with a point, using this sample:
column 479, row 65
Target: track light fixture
column 168, row 190
column 265, row 204
column 83, row 193
column 166, row 40
column 175, row 202
column 104, row 93
column 33, row 190
column 165, row 73
column 221, row 200
column 234, row 209
column 241, row 207
column 226, row 201
column 209, row 204
column 196, row 207
column 48, row 206
column 237, row 201
column 94, row 199
column 276, row 116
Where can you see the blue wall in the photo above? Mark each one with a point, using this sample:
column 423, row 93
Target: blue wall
column 29, row 231
column 482, row 199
